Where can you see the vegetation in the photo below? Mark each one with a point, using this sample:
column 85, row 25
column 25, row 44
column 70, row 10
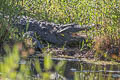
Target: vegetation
column 105, row 38
column 11, row 67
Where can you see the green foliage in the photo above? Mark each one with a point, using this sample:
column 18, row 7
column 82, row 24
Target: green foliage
column 77, row 11
column 10, row 67
column 104, row 12
column 10, row 63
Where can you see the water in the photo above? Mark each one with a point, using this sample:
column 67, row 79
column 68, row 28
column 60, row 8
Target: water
column 86, row 71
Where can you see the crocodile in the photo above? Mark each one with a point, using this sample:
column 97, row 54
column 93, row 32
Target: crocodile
column 58, row 34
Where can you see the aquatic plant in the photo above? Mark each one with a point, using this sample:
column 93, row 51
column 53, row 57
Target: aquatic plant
column 105, row 37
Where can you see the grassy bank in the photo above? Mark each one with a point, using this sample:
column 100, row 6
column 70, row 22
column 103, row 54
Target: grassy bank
column 105, row 39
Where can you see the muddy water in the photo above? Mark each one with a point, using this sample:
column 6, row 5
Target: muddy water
column 86, row 71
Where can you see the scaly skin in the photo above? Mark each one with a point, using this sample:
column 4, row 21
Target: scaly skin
column 54, row 33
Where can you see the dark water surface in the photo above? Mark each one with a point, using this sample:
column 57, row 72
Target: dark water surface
column 86, row 71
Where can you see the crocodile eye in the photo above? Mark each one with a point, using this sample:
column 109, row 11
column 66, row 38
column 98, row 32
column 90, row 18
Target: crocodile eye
column 62, row 35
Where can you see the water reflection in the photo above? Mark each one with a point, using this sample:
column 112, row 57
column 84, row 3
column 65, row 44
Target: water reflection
column 85, row 71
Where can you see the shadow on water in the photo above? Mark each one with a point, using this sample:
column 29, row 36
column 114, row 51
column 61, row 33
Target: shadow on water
column 86, row 71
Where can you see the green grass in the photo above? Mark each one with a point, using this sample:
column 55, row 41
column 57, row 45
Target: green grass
column 103, row 12
column 11, row 69
column 78, row 11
